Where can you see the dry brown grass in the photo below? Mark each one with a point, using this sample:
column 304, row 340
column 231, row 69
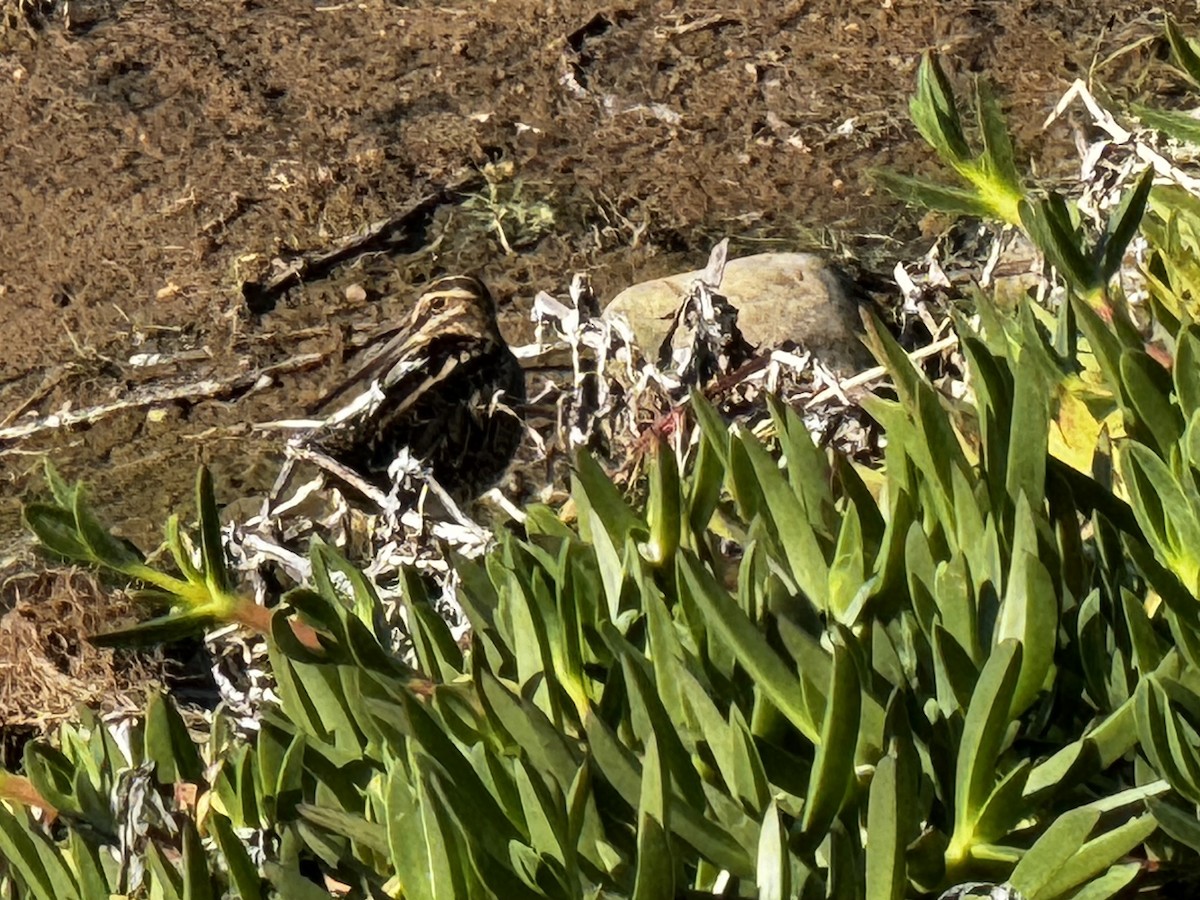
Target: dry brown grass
column 47, row 665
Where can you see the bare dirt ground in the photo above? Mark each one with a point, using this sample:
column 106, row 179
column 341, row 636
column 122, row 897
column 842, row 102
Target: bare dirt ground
column 161, row 161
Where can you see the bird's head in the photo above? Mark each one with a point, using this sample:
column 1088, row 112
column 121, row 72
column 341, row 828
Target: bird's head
column 454, row 306
column 454, row 313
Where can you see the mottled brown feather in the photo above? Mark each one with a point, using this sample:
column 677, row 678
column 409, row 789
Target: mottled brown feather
column 438, row 374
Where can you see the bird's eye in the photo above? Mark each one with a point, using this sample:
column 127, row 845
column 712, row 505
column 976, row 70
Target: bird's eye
column 437, row 304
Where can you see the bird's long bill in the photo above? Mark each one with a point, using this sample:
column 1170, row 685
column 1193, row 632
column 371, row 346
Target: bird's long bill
column 456, row 306
column 401, row 343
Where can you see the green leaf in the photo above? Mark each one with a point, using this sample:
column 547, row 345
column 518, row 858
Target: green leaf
column 774, row 875
column 359, row 627
column 212, row 547
column 792, row 524
column 655, row 877
column 997, row 146
column 1148, row 650
column 417, row 855
column 954, row 672
column 313, row 695
column 166, row 879
column 1057, row 844
column 620, row 769
column 34, row 860
column 955, row 600
column 243, row 876
column 1029, row 613
column 983, row 737
column 169, row 745
column 428, row 734
column 993, row 401
column 726, row 620
column 438, row 654
column 1147, row 387
column 270, row 750
column 846, row 573
column 608, row 558
column 85, row 860
column 833, row 767
column 1111, row 884
column 289, row 784
column 1094, row 857
column 707, row 477
column 886, row 872
column 1165, row 742
column 1165, row 513
column 652, row 722
column 1115, row 735
column 1123, row 225
column 1006, row 806
column 1025, row 471
column 160, row 630
column 235, row 787
column 663, row 511
column 542, row 811
column 922, row 192
column 807, row 465
column 51, row 773
column 63, row 493
column 371, row 835
column 743, row 766
column 1104, row 342
column 289, row 883
column 530, row 729
column 934, row 111
column 181, row 551
column 197, row 885
column 1048, row 224
column 593, row 490
column 55, row 530
column 712, row 426
column 1181, row 49
column 1173, row 123
column 1179, row 824
column 104, row 547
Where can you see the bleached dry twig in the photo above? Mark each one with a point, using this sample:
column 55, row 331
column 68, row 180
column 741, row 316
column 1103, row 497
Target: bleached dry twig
column 863, row 378
column 196, row 390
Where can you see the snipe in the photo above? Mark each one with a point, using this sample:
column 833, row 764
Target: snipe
column 448, row 382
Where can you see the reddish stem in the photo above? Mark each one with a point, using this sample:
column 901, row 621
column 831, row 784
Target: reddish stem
column 258, row 618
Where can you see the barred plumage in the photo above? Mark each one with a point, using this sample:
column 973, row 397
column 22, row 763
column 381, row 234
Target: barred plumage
column 440, row 375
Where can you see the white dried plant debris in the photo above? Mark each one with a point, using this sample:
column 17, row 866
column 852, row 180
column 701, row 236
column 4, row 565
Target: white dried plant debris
column 703, row 340
column 978, row 890
column 609, row 392
column 636, row 388
column 1109, row 169
column 1139, row 142
column 593, row 343
column 993, row 259
column 138, row 809
column 908, row 286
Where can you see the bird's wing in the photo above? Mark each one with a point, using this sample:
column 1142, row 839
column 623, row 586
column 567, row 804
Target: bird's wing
column 412, row 382
column 404, row 370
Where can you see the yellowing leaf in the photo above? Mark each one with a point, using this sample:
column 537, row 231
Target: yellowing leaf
column 1074, row 432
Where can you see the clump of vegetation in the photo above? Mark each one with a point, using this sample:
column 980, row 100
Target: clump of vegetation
column 783, row 675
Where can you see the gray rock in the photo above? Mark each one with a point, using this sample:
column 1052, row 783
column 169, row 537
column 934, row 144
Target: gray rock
column 780, row 298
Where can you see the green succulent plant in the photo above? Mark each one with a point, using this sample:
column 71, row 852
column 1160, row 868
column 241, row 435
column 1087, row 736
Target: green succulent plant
column 784, row 675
